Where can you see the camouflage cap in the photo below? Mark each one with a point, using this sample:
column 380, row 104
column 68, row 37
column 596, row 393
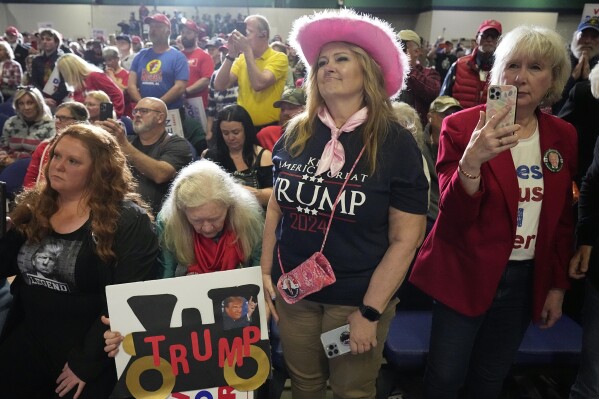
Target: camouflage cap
column 295, row 96
column 443, row 103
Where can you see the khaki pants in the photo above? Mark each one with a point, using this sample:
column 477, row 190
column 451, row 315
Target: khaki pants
column 350, row 376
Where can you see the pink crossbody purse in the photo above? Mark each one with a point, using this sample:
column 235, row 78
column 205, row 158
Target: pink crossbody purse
column 316, row 272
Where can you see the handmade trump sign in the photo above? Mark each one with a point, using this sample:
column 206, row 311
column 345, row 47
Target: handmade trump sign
column 196, row 335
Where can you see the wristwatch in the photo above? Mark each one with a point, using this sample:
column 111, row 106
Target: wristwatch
column 232, row 59
column 369, row 313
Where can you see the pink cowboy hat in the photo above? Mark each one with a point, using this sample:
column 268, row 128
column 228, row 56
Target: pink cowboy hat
column 310, row 32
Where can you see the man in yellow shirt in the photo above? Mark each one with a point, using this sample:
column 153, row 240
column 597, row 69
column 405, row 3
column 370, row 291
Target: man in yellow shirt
column 259, row 71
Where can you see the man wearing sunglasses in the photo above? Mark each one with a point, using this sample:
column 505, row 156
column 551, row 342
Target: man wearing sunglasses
column 154, row 155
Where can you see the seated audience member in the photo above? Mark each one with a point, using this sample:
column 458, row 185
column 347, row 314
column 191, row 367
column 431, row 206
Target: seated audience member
column 31, row 125
column 84, row 77
column 92, row 102
column 154, row 155
column 10, row 72
column 237, row 151
column 292, row 102
column 101, row 234
column 66, row 115
column 118, row 74
column 208, row 223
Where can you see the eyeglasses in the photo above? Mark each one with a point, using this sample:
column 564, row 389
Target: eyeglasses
column 143, row 111
column 61, row 118
column 26, row 88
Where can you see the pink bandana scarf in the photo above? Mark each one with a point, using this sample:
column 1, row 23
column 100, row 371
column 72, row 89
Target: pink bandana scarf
column 333, row 155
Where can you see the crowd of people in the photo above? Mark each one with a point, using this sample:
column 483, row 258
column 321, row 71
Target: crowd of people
column 353, row 146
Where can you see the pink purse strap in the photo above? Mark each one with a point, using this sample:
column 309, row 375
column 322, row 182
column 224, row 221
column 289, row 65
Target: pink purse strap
column 326, row 233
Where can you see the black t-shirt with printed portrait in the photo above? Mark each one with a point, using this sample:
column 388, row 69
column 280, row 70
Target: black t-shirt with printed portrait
column 358, row 237
column 57, row 314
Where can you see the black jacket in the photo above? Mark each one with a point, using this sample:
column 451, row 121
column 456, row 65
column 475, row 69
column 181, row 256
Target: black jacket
column 581, row 110
column 39, row 74
column 587, row 230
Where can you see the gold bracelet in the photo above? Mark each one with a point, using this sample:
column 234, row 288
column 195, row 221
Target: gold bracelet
column 468, row 175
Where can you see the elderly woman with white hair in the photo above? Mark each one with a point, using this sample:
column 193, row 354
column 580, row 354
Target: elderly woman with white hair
column 348, row 206
column 208, row 223
column 498, row 254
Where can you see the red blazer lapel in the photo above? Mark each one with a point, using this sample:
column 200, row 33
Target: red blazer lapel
column 502, row 167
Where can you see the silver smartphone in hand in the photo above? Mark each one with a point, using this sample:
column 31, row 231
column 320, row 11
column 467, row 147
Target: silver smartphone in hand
column 499, row 97
column 336, row 342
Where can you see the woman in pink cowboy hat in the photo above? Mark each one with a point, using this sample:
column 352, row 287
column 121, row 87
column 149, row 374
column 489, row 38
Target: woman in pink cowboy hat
column 347, row 147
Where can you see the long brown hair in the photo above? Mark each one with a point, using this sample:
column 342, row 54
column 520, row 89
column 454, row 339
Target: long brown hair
column 110, row 183
column 376, row 99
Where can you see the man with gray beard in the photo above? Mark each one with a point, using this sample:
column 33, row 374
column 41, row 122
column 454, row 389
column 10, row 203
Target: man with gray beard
column 154, row 156
column 584, row 54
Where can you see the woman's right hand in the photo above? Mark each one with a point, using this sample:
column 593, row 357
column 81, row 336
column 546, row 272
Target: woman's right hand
column 488, row 141
column 270, row 293
column 112, row 339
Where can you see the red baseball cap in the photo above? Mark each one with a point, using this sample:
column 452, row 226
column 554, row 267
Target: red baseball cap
column 11, row 30
column 160, row 18
column 189, row 24
column 489, row 24
column 135, row 39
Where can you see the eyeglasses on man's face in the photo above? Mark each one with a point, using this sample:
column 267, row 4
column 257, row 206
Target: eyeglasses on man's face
column 143, row 111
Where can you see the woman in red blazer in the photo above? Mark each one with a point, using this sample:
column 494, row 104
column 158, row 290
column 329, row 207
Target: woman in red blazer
column 497, row 256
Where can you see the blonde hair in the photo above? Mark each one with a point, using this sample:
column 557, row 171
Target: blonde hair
column 536, row 43
column 8, row 49
column 75, row 69
column 98, row 95
column 43, row 111
column 408, row 117
column 375, row 98
column 198, row 184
